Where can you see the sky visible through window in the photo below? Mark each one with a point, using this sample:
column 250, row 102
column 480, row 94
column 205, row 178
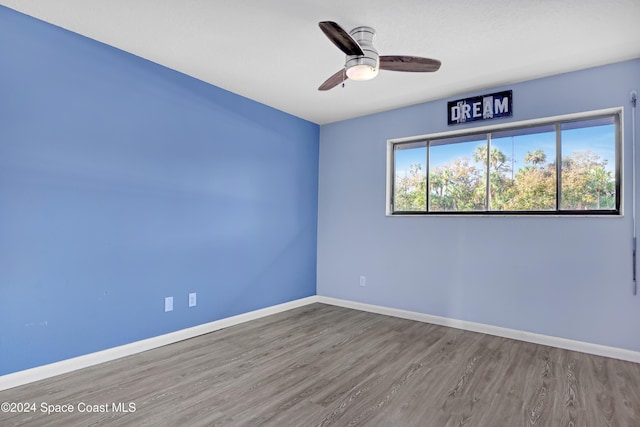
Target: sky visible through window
column 597, row 139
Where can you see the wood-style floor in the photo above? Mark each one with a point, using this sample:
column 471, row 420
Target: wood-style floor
column 321, row 365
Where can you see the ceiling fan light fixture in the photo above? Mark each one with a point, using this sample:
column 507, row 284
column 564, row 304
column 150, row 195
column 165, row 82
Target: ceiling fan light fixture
column 362, row 61
column 362, row 72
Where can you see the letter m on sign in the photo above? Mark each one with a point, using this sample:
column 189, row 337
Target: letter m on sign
column 502, row 106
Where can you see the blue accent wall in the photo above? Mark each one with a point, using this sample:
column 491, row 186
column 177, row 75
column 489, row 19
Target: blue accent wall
column 563, row 277
column 123, row 182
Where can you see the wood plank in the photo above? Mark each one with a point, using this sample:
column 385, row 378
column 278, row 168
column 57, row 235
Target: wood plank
column 321, row 365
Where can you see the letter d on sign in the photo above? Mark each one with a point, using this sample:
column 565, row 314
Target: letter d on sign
column 455, row 113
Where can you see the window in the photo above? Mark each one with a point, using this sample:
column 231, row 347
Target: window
column 456, row 170
column 410, row 179
column 588, row 170
column 567, row 165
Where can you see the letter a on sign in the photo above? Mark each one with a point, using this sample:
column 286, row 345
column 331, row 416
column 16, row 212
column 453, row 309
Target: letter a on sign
column 487, row 111
column 492, row 106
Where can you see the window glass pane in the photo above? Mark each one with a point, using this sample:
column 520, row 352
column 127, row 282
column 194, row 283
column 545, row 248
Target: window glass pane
column 455, row 175
column 588, row 176
column 523, row 169
column 410, row 181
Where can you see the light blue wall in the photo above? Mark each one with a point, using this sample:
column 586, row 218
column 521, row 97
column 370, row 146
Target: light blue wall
column 122, row 182
column 564, row 277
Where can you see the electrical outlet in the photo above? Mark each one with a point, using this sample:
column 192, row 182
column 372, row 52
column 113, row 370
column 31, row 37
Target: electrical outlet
column 192, row 299
column 363, row 280
column 168, row 304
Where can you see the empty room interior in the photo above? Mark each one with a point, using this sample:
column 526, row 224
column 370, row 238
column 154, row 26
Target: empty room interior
column 315, row 213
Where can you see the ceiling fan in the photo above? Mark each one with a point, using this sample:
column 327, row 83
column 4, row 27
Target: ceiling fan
column 362, row 61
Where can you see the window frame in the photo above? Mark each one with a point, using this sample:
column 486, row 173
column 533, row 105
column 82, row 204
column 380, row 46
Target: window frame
column 557, row 121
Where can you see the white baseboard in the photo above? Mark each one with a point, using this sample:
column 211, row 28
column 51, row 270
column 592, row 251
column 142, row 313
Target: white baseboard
column 46, row 371
column 567, row 344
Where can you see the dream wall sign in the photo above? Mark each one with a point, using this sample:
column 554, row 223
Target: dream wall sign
column 484, row 107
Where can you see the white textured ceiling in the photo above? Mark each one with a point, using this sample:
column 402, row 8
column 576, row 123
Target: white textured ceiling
column 272, row 51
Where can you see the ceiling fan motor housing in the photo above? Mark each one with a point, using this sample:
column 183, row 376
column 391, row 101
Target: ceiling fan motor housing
column 370, row 59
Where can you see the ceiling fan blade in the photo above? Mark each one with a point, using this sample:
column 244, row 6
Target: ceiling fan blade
column 414, row 64
column 340, row 38
column 334, row 80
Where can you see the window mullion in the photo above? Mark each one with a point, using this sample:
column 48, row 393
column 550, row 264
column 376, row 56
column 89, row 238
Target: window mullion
column 427, row 178
column 487, row 200
column 558, row 166
column 392, row 196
